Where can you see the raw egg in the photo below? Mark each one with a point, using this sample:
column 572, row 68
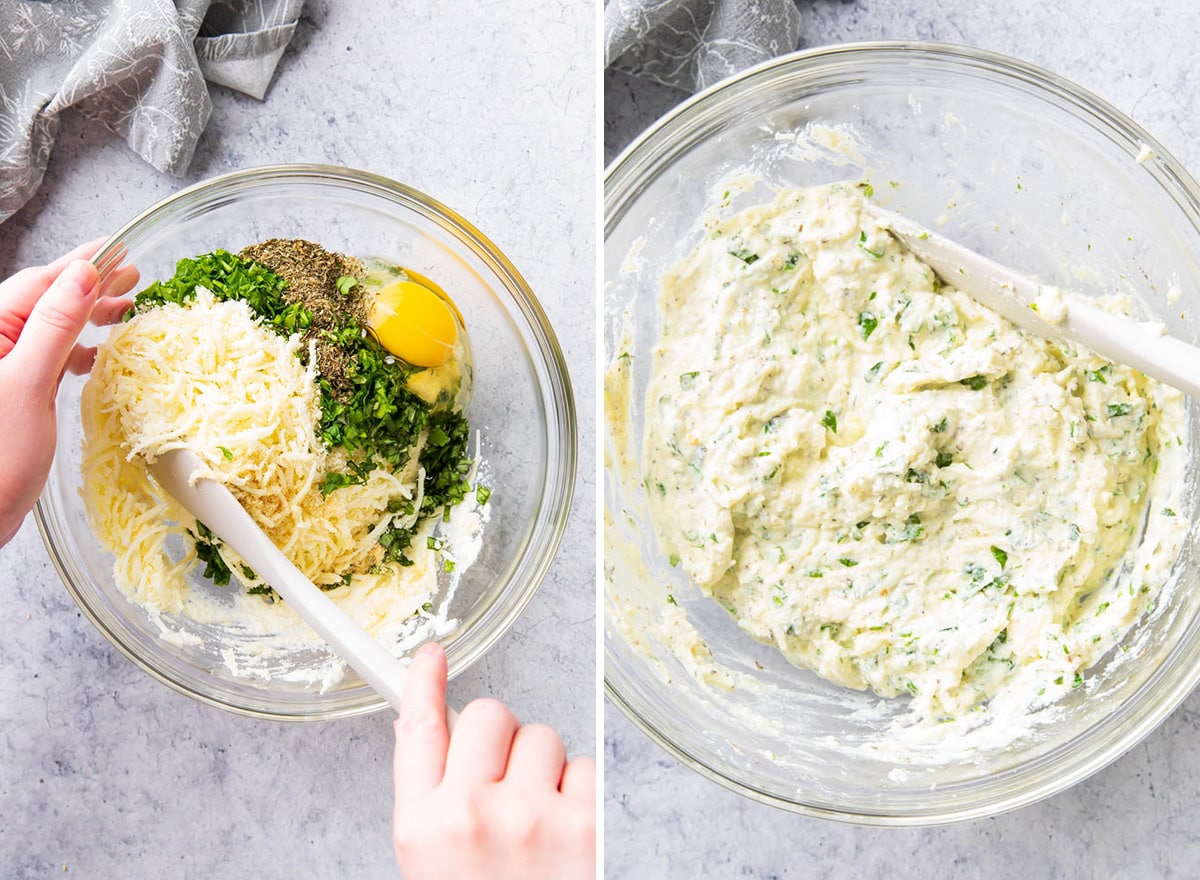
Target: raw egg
column 414, row 323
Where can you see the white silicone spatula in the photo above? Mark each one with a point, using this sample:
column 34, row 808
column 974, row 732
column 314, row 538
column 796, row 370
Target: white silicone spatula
column 1121, row 340
column 215, row 506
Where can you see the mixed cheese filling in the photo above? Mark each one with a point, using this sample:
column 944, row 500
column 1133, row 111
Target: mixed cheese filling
column 893, row 485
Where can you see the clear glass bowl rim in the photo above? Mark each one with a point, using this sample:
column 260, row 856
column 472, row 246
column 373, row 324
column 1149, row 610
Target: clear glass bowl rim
column 654, row 149
column 553, row 376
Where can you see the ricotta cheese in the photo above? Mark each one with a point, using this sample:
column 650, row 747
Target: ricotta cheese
column 893, row 485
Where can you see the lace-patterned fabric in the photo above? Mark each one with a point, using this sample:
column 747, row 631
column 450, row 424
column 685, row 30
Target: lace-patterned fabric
column 691, row 44
column 139, row 67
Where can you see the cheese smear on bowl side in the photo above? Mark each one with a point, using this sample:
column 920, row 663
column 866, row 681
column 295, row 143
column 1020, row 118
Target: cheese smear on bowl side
column 891, row 484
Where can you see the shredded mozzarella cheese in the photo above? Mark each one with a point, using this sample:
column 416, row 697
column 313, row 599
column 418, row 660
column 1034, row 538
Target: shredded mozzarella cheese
column 208, row 377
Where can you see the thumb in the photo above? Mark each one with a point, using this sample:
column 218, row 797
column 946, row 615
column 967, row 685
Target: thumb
column 49, row 334
column 421, row 736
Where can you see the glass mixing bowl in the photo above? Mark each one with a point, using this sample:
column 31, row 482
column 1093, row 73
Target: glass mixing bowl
column 1006, row 158
column 521, row 408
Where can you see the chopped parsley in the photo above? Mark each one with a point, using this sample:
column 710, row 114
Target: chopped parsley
column 867, row 324
column 745, row 256
column 229, row 277
column 829, row 420
column 1116, row 410
column 206, row 551
column 912, row 531
column 380, row 423
column 862, row 243
column 975, row 383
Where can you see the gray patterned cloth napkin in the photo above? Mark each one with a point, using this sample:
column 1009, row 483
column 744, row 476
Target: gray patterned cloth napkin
column 139, row 67
column 691, row 44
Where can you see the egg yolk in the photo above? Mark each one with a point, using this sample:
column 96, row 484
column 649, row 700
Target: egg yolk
column 414, row 324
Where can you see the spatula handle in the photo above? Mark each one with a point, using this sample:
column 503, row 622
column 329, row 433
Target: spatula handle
column 1166, row 358
column 214, row 505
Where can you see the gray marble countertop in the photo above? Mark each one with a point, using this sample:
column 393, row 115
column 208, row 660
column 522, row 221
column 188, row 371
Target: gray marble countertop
column 107, row 773
column 1134, row 819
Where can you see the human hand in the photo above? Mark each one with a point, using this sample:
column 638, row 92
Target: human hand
column 495, row 801
column 42, row 311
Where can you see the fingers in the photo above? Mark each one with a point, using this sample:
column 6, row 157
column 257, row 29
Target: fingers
column 110, row 311
column 32, row 282
column 81, row 358
column 421, row 735
column 85, row 251
column 49, row 334
column 112, row 304
column 119, row 281
column 21, row 292
column 481, row 743
column 537, row 757
column 579, row 779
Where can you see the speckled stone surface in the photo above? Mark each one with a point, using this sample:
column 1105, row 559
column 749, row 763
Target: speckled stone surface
column 1134, row 819
column 105, row 772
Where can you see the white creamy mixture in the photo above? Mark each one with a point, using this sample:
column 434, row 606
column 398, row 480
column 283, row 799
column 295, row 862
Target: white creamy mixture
column 893, row 485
